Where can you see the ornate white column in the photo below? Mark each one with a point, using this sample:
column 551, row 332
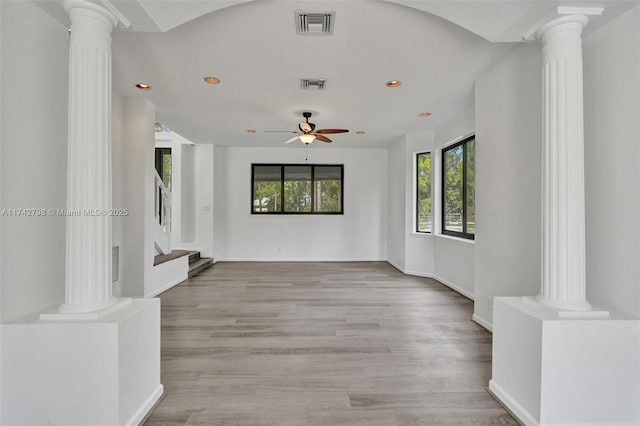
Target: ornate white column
column 88, row 248
column 563, row 209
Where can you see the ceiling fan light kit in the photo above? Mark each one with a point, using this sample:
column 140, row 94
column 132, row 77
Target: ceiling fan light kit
column 309, row 134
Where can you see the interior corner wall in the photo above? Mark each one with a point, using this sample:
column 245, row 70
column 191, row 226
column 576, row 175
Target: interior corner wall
column 117, row 186
column 611, row 57
column 397, row 188
column 188, row 214
column 418, row 247
column 453, row 258
column 358, row 234
column 33, row 130
column 508, row 179
column 205, row 200
column 138, row 196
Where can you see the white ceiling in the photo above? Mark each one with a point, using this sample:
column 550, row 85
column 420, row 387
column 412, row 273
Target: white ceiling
column 436, row 48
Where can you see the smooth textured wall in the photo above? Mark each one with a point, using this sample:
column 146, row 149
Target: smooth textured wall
column 508, row 179
column 358, row 234
column 612, row 158
column 33, row 130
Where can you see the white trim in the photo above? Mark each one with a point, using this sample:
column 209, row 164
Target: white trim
column 512, row 405
column 458, row 240
column 172, row 284
column 482, row 322
column 146, row 406
column 396, row 265
column 297, row 259
column 455, row 288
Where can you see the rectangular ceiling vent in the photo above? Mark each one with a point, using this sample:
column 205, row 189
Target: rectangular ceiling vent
column 314, row 23
column 313, row 83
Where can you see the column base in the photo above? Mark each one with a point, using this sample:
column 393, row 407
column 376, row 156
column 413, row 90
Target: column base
column 64, row 313
column 564, row 306
column 552, row 370
column 104, row 372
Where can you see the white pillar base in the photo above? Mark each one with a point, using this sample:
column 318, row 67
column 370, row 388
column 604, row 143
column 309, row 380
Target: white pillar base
column 553, row 370
column 96, row 312
column 96, row 372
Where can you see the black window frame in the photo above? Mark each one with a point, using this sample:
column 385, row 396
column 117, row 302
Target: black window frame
column 464, row 234
column 282, row 181
column 417, row 211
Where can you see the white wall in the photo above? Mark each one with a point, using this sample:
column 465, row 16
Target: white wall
column 454, row 258
column 396, row 205
column 188, row 194
column 33, row 130
column 205, row 199
column 138, row 198
column 612, row 159
column 418, row 247
column 508, row 178
column 359, row 234
column 117, row 184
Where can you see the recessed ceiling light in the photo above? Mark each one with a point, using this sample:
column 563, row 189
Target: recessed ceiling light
column 143, row 86
column 212, row 80
column 251, row 131
column 424, row 114
column 360, row 132
column 393, row 83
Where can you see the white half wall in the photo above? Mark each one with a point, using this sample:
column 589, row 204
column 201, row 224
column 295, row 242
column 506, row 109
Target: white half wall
column 33, row 130
column 359, row 234
column 612, row 158
column 508, row 179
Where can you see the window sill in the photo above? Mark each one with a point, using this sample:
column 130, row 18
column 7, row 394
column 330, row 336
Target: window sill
column 457, row 240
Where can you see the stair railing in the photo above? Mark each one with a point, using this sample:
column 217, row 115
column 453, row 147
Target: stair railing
column 162, row 210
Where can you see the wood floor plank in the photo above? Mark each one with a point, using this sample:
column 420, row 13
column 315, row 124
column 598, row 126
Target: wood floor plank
column 310, row 343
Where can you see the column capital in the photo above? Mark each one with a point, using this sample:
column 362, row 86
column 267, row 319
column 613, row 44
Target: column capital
column 105, row 10
column 572, row 16
column 563, row 27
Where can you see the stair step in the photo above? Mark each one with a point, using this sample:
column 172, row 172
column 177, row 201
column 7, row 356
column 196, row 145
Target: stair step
column 199, row 265
column 194, row 256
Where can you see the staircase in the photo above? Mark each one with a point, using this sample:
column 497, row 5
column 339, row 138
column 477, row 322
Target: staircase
column 198, row 264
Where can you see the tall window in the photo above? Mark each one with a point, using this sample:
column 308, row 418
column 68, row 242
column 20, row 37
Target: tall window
column 458, row 189
column 297, row 189
column 423, row 192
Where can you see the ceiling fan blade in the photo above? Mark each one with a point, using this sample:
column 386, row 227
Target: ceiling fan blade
column 329, row 131
column 279, row 131
column 322, row 138
column 293, row 139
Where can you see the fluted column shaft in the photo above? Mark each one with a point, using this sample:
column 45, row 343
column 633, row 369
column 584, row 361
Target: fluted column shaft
column 88, row 241
column 563, row 215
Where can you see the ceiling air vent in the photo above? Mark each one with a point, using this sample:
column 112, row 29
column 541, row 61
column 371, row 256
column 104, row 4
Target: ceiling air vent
column 314, row 23
column 313, row 83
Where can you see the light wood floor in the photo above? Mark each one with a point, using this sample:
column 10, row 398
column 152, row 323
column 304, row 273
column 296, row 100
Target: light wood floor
column 322, row 344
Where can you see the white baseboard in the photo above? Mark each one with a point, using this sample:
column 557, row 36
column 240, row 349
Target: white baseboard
column 146, row 406
column 162, row 289
column 297, row 259
column 482, row 322
column 512, row 405
column 455, row 288
column 396, row 265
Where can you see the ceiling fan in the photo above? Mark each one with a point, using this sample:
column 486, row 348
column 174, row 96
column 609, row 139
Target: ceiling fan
column 309, row 134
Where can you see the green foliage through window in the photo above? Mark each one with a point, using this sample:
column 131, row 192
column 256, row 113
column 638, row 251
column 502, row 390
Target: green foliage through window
column 423, row 192
column 297, row 189
column 458, row 189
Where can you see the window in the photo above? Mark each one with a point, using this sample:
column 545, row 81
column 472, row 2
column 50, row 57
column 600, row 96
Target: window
column 423, row 192
column 458, row 189
column 297, row 189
